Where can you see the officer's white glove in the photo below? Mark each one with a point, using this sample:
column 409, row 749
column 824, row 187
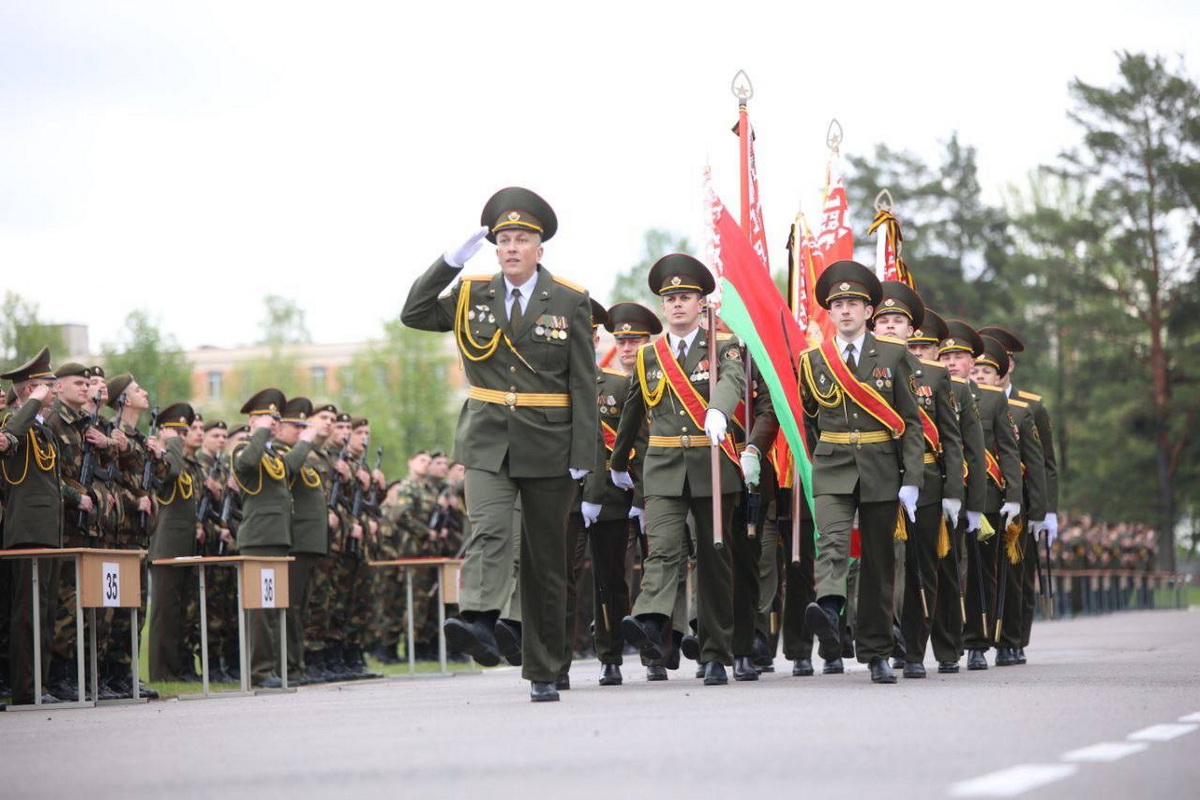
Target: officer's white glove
column 622, row 480
column 974, row 521
column 590, row 511
column 578, row 474
column 751, row 467
column 908, row 498
column 715, row 425
column 1051, row 526
column 1010, row 511
column 640, row 515
column 951, row 508
column 457, row 256
column 1037, row 526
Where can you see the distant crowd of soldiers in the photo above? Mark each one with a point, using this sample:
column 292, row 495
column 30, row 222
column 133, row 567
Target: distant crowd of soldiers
column 88, row 463
column 1087, row 545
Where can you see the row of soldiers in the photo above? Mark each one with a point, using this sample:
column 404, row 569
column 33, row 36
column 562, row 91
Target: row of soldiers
column 294, row 480
column 932, row 475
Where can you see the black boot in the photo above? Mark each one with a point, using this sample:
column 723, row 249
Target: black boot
column 714, row 674
column 802, row 667
column 474, row 635
column 508, row 640
column 764, row 659
column 975, row 660
column 743, row 669
column 676, row 650
column 644, row 633
column 822, row 620
column 881, row 671
column 335, row 662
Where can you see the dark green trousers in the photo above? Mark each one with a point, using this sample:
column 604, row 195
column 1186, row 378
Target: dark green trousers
column 610, row 542
column 20, row 643
column 800, row 590
column 946, row 635
column 1030, row 566
column 300, row 587
column 921, row 568
column 169, row 595
column 981, row 594
column 745, row 554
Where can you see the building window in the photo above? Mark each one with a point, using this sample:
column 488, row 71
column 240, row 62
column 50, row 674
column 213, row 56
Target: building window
column 316, row 375
column 214, row 385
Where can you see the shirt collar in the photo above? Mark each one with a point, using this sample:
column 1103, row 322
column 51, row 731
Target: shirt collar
column 674, row 340
column 526, row 287
column 858, row 344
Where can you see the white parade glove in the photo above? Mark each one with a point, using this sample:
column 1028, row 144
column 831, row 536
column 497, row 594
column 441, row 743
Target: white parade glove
column 578, row 474
column 751, row 466
column 908, row 498
column 974, row 521
column 951, row 508
column 715, row 425
column 457, row 256
column 1052, row 526
column 640, row 515
column 1010, row 511
column 1037, row 526
column 590, row 511
column 622, row 480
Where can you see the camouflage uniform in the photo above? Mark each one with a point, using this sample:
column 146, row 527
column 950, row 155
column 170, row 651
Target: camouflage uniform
column 416, row 503
column 387, row 624
column 350, row 614
column 220, row 583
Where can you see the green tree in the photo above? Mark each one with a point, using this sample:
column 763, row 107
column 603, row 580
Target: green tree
column 283, row 328
column 402, row 385
column 155, row 359
column 22, row 333
column 630, row 286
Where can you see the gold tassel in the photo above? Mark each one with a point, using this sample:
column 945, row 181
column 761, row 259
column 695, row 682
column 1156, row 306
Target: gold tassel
column 943, row 543
column 1012, row 542
column 986, row 531
column 901, row 534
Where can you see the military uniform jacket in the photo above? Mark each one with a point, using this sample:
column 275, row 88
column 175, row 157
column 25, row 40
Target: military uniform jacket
column 127, row 482
column 1000, row 437
column 875, row 469
column 975, row 477
column 1041, row 419
column 937, row 397
column 266, row 496
column 667, row 470
column 66, row 426
column 33, row 504
column 612, row 389
column 310, row 504
column 181, row 480
column 550, row 353
column 1033, row 468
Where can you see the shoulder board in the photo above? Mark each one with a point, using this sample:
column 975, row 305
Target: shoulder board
column 927, row 362
column 991, row 388
column 569, row 285
column 1037, row 398
column 475, row 278
column 614, row 372
column 723, row 337
column 891, row 340
column 1018, row 403
column 957, row 379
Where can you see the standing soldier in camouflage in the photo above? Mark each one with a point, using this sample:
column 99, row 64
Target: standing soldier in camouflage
column 409, row 512
column 221, row 585
column 33, row 517
column 325, row 660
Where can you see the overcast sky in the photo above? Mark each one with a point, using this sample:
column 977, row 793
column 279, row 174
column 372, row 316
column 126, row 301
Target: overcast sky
column 213, row 153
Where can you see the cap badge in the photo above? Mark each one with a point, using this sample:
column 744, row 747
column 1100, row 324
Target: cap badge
column 676, row 281
column 890, row 302
column 513, row 216
column 626, row 327
column 844, row 287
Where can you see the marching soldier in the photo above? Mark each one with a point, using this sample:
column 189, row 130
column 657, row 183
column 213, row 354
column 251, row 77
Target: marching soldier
column 990, row 369
column 958, row 351
column 528, row 428
column 176, row 534
column 900, row 314
column 33, row 518
column 863, row 416
column 671, row 391
column 606, row 508
column 1045, row 432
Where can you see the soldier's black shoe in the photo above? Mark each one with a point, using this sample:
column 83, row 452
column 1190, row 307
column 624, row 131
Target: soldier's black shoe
column 847, row 644
column 881, row 671
column 542, row 692
column 898, row 663
column 508, row 640
column 947, row 667
column 1021, row 655
column 269, row 682
column 823, row 623
column 656, row 672
column 690, row 646
column 976, row 661
column 676, row 645
column 743, row 669
column 356, row 665
column 610, row 675
column 764, row 659
column 1005, row 657
column 714, row 674
column 833, row 666
column 914, row 669
column 644, row 635
column 700, row 667
column 473, row 638
column 562, row 682
column 802, row 668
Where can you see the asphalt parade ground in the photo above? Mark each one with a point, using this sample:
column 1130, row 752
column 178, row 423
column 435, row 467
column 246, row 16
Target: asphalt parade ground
column 1107, row 707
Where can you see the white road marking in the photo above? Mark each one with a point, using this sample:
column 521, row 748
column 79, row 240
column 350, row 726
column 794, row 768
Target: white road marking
column 1161, row 733
column 1012, row 781
column 1105, row 751
column 1191, row 717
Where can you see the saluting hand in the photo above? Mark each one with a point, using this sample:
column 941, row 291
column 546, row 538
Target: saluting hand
column 458, row 256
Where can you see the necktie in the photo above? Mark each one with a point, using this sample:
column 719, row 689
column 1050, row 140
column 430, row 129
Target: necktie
column 850, row 362
column 681, row 353
column 514, row 314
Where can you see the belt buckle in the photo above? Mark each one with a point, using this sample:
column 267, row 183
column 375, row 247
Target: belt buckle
column 853, row 437
column 685, row 441
column 510, row 399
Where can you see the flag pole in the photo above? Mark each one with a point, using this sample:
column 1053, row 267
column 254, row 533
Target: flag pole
column 743, row 90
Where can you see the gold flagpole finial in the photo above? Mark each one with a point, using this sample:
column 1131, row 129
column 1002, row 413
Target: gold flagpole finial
column 741, row 87
column 883, row 201
column 833, row 136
